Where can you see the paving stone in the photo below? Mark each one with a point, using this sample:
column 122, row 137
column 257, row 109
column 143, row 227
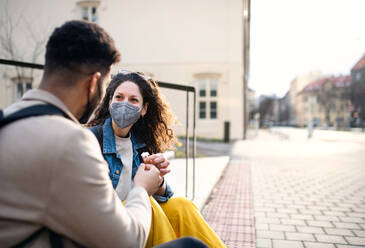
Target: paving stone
column 298, row 206
column 264, row 209
column 300, row 236
column 288, row 210
column 319, row 207
column 338, row 231
column 352, row 219
column 293, row 222
column 320, row 223
column 260, row 214
column 330, row 239
column 277, row 215
column 286, row 228
column 269, row 234
column 347, row 246
column 263, row 243
column 356, row 240
column 333, row 213
column 310, row 211
column 275, row 205
column 309, row 229
column 262, row 226
column 267, row 220
column 354, row 214
column 359, row 210
column 359, row 233
column 287, row 244
column 326, row 218
column 318, row 245
column 346, row 225
column 340, row 209
column 302, row 216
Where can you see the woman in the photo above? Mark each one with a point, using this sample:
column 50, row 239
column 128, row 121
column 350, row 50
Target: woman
column 134, row 118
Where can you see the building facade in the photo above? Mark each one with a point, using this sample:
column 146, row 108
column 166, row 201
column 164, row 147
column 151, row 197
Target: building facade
column 326, row 102
column 358, row 93
column 195, row 43
column 296, row 86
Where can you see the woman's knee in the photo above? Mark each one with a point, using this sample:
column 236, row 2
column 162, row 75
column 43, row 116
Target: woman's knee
column 178, row 204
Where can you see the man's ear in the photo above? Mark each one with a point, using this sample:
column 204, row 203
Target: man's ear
column 93, row 79
column 144, row 109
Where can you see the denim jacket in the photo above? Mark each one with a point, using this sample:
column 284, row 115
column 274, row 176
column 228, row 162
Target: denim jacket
column 114, row 161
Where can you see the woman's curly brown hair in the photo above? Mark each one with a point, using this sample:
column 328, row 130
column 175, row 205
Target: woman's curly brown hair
column 154, row 128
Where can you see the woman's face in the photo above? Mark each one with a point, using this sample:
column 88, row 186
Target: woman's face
column 130, row 93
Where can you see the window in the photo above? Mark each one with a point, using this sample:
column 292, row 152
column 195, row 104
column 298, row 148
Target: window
column 213, row 110
column 22, row 87
column 90, row 14
column 89, row 10
column 213, row 87
column 358, row 76
column 202, row 87
column 208, row 94
column 202, row 110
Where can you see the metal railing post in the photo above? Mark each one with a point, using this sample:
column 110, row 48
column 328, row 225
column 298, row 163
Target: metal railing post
column 187, row 145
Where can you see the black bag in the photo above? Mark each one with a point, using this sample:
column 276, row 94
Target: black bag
column 36, row 110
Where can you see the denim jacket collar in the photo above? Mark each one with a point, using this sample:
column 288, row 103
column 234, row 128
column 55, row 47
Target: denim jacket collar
column 109, row 140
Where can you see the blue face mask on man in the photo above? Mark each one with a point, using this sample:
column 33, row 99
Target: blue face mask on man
column 124, row 114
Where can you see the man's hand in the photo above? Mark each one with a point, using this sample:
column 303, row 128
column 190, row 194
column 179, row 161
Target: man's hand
column 160, row 161
column 148, row 176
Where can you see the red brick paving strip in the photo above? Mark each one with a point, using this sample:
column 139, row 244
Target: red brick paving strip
column 230, row 208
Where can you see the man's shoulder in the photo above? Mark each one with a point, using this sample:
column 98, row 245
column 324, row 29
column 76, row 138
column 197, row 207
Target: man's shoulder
column 49, row 131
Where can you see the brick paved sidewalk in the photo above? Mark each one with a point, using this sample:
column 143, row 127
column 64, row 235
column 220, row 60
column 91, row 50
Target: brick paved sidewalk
column 308, row 193
column 291, row 193
column 230, row 208
column 310, row 207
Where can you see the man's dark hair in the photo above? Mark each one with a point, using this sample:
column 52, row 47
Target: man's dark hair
column 80, row 43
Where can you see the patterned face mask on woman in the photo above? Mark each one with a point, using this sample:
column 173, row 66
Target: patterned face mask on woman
column 124, row 114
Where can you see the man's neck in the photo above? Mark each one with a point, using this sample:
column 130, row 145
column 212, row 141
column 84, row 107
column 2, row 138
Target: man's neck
column 69, row 96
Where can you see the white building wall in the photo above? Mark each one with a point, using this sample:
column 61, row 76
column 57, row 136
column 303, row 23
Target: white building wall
column 172, row 40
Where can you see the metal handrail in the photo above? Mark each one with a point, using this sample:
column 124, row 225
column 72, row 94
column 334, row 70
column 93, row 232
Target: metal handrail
column 161, row 84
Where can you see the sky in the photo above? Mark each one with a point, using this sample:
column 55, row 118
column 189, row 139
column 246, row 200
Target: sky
column 295, row 37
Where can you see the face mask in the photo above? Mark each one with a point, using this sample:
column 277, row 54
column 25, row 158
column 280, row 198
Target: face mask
column 124, row 114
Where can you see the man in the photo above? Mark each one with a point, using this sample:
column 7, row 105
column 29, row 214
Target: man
column 52, row 173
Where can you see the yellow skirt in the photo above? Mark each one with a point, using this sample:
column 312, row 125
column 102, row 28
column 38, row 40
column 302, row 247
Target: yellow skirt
column 179, row 217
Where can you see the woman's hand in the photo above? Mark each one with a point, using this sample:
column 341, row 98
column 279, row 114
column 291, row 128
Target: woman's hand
column 160, row 161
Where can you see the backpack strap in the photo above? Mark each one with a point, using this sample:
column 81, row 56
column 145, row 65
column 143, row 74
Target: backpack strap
column 29, row 239
column 36, row 110
column 55, row 239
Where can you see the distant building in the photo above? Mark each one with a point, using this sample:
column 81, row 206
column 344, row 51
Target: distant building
column 297, row 86
column 358, row 93
column 284, row 110
column 252, row 100
column 326, row 102
column 196, row 43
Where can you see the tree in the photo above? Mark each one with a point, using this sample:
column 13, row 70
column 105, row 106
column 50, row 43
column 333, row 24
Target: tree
column 266, row 110
column 19, row 40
